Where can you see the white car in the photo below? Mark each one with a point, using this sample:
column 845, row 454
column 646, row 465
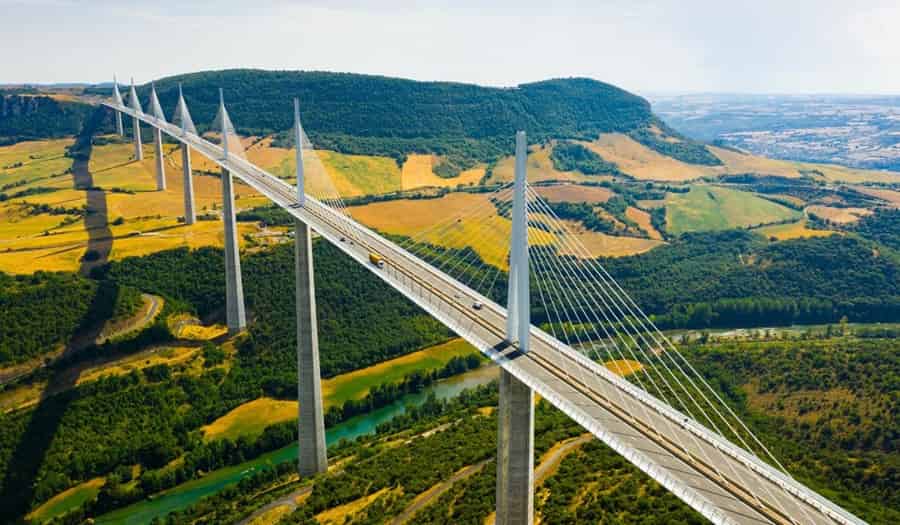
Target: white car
column 477, row 305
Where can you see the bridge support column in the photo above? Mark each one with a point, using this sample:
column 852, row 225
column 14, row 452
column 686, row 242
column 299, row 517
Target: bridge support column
column 190, row 216
column 234, row 288
column 138, row 147
column 515, row 414
column 120, row 129
column 160, row 160
column 515, row 452
column 313, row 459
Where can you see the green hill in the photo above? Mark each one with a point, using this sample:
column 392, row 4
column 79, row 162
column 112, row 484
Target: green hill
column 377, row 115
column 26, row 116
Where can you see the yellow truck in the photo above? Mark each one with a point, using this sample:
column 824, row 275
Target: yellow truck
column 376, row 259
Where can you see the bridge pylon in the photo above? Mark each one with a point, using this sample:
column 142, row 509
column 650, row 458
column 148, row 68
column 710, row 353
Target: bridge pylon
column 157, row 141
column 313, row 457
column 236, row 317
column 515, row 414
column 120, row 130
column 190, row 216
column 136, row 123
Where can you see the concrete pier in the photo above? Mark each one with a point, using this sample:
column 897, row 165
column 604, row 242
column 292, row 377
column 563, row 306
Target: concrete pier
column 190, row 216
column 138, row 147
column 515, row 413
column 515, row 452
column 120, row 129
column 234, row 287
column 160, row 160
column 313, row 459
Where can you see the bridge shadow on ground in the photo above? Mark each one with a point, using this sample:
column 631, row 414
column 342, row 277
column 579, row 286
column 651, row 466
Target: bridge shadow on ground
column 22, row 485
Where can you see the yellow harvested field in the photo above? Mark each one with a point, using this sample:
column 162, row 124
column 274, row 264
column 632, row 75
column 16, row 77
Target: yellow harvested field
column 745, row 163
column 539, row 167
column 251, row 418
column 598, row 244
column 164, row 355
column 22, row 396
column 197, row 332
column 642, row 219
column 623, row 367
column 343, row 513
column 641, row 162
column 574, row 193
column 418, row 172
column 411, row 217
column 793, row 230
column 272, row 516
column 838, row 215
column 329, row 174
column 891, row 196
column 62, row 251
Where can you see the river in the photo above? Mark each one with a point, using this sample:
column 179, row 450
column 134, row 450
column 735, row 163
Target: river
column 186, row 494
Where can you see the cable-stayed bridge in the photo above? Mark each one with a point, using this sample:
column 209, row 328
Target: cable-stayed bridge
column 662, row 416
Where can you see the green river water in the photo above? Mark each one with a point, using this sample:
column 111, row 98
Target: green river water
column 186, row 494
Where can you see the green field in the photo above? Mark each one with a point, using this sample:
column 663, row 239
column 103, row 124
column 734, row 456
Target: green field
column 250, row 419
column 707, row 208
column 32, row 160
column 67, row 501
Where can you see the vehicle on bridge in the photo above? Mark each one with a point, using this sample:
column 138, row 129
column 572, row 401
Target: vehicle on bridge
column 376, row 259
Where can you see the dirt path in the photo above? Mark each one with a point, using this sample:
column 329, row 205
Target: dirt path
column 435, row 492
column 289, row 500
column 148, row 312
column 553, row 457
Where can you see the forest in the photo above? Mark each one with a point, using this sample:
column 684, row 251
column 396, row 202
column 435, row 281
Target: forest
column 883, row 226
column 571, row 156
column 28, row 116
column 374, row 115
column 841, row 445
column 44, row 310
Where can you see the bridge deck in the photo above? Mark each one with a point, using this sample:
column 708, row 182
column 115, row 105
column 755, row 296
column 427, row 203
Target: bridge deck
column 722, row 482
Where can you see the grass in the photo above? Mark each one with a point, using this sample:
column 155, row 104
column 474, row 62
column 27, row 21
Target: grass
column 418, row 172
column 356, row 384
column 838, row 215
column 250, row 419
column 539, row 168
column 171, row 356
column 642, row 219
column 272, row 516
column 624, row 367
column 344, row 513
column 66, row 501
column 39, row 158
column 641, row 162
column 574, row 193
column 706, row 208
column 329, row 174
column 792, row 230
column 484, row 231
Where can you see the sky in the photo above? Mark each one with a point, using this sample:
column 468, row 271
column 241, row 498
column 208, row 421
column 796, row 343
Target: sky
column 649, row 47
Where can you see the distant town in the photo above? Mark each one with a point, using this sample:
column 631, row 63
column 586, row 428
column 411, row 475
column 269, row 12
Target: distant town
column 856, row 131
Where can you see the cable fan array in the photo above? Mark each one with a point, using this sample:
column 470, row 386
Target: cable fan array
column 574, row 299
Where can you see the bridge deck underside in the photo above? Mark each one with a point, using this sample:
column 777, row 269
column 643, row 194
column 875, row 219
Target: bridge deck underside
column 722, row 487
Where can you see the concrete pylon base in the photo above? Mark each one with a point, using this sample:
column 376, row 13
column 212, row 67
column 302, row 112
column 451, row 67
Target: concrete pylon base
column 160, row 164
column 190, row 216
column 138, row 147
column 234, row 287
column 515, row 452
column 313, row 458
